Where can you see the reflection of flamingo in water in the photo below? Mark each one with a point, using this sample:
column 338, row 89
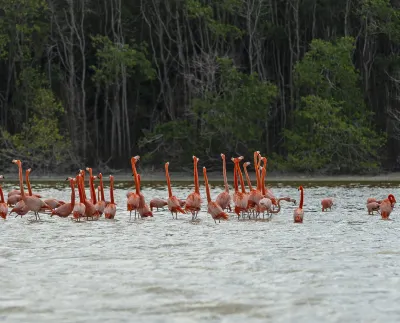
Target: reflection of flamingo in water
column 386, row 207
column 193, row 201
column 299, row 213
column 34, row 203
column 213, row 208
column 3, row 204
column 111, row 208
column 224, row 198
column 173, row 202
column 66, row 209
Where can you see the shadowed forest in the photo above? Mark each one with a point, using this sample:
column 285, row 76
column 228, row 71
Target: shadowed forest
column 312, row 84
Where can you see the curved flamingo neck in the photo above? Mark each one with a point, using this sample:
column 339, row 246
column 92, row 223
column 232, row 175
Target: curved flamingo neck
column 1, row 195
column 112, row 189
column 279, row 206
column 135, row 174
column 301, row 197
column 224, row 173
column 168, row 181
column 206, row 183
column 247, row 177
column 28, row 183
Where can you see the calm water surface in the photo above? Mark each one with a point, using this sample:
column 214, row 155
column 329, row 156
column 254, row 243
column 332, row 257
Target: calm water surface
column 339, row 266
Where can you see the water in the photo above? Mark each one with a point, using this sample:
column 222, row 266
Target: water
column 338, row 266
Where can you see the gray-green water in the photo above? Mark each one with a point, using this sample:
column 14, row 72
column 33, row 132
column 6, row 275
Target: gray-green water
column 338, row 266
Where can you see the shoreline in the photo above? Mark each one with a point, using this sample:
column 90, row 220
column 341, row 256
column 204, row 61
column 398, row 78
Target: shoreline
column 183, row 177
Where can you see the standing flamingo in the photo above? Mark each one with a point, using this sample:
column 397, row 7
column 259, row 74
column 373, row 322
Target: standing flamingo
column 213, row 208
column 101, row 203
column 143, row 209
column 28, row 183
column 386, row 207
column 255, row 195
column 299, row 212
column 111, row 208
column 239, row 198
column 224, row 198
column 66, row 209
column 193, row 201
column 79, row 208
column 173, row 202
column 90, row 210
column 3, row 204
column 133, row 197
column 157, row 203
column 32, row 202
column 373, row 206
column 327, row 204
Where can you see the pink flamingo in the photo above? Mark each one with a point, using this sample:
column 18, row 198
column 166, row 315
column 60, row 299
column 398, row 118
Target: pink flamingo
column 32, row 202
column 79, row 208
column 386, row 207
column 111, row 208
column 133, row 197
column 327, row 204
column 299, row 212
column 213, row 208
column 66, row 209
column 28, row 183
column 240, row 198
column 173, row 202
column 373, row 199
column 3, row 204
column 101, row 203
column 157, row 203
column 193, row 201
column 224, row 198
column 90, row 210
column 255, row 194
column 143, row 209
column 373, row 206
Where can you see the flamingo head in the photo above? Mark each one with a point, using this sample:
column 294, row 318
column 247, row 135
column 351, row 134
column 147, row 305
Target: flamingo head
column 264, row 159
column 391, row 198
column 16, row 161
column 111, row 177
column 223, row 156
column 28, row 171
column 100, row 176
column 240, row 158
column 2, row 177
column 298, row 219
column 246, row 164
column 94, row 177
column 300, row 188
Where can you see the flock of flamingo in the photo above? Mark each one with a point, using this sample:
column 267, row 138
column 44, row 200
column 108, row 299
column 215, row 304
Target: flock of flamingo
column 252, row 204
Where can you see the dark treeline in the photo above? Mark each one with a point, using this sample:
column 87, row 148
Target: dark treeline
column 314, row 85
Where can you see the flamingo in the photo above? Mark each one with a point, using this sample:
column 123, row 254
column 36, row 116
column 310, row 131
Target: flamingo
column 255, row 194
column 213, row 208
column 133, row 197
column 53, row 203
column 265, row 204
column 32, row 202
column 66, row 209
column 91, row 185
column 265, row 190
column 173, row 203
column 79, row 208
column 373, row 206
column 373, row 199
column 101, row 203
column 3, row 204
column 193, row 201
column 90, row 210
column 327, row 204
column 157, row 203
column 111, row 208
column 224, row 198
column 386, row 207
column 239, row 198
column 143, row 209
column 298, row 213
column 14, row 199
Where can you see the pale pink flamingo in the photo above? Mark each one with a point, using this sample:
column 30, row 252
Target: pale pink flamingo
column 173, row 202
column 133, row 197
column 14, row 199
column 255, row 195
column 224, row 198
column 143, row 209
column 265, row 205
column 240, row 198
column 373, row 206
column 101, row 203
column 32, row 202
column 3, row 204
column 298, row 213
column 111, row 208
column 327, row 204
column 90, row 210
column 157, row 203
column 266, row 191
column 93, row 198
column 373, row 199
column 386, row 207
column 193, row 201
column 79, row 208
column 66, row 209
column 213, row 208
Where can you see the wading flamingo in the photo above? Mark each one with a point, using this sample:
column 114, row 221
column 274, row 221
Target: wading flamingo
column 224, row 198
column 240, row 198
column 298, row 214
column 193, row 201
column 32, row 202
column 28, row 183
column 373, row 199
column 386, row 207
column 373, row 206
column 255, row 195
column 143, row 209
column 101, row 203
column 213, row 208
column 173, row 202
column 133, row 197
column 111, row 208
column 327, row 204
column 3, row 204
column 66, row 209
column 157, row 203
column 90, row 210
column 79, row 208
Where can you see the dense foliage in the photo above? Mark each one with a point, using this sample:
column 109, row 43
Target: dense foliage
column 315, row 85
